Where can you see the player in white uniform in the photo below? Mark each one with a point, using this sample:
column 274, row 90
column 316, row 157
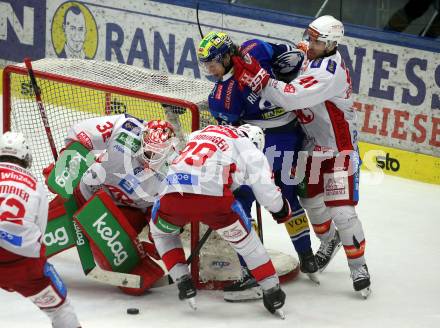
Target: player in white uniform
column 130, row 174
column 121, row 170
column 320, row 97
column 200, row 184
column 23, row 218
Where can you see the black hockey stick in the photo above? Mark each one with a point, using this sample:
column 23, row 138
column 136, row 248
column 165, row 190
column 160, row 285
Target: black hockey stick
column 198, row 21
column 259, row 221
column 199, row 246
column 188, row 261
column 43, row 113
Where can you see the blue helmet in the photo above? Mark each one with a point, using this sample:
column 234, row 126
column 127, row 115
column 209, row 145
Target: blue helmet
column 214, row 46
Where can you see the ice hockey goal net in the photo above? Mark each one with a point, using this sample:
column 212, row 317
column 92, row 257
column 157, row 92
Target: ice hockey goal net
column 73, row 90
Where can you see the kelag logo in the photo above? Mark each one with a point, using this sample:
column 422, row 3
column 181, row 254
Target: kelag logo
column 74, row 31
column 22, row 29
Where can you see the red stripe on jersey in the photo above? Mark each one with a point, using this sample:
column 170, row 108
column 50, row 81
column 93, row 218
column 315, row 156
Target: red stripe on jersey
column 172, row 257
column 322, row 228
column 263, row 271
column 353, row 252
column 340, row 126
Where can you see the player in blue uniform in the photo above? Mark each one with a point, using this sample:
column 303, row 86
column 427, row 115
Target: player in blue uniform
column 230, row 104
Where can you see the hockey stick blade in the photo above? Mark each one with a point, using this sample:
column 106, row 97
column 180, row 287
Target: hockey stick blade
column 115, row 278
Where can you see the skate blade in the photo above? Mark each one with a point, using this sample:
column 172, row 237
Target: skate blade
column 314, row 277
column 280, row 314
column 365, row 293
column 251, row 294
column 192, row 303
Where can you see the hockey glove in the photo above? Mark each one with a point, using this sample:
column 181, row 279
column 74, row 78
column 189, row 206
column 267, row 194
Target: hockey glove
column 283, row 215
column 248, row 72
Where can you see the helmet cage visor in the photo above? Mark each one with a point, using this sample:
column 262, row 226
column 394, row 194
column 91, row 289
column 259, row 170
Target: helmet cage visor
column 157, row 145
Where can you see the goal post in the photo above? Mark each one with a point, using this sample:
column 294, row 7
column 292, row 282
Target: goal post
column 76, row 89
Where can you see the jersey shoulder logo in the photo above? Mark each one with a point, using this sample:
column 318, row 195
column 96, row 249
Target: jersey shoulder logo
column 132, row 127
column 316, row 63
column 331, row 66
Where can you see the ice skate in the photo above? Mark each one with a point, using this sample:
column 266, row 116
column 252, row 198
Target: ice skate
column 309, row 266
column 273, row 300
column 245, row 289
column 327, row 251
column 361, row 280
column 187, row 291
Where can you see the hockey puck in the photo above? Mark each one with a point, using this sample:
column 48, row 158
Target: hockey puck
column 132, row 311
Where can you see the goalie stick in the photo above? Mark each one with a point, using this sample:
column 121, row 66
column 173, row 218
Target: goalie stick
column 90, row 269
column 41, row 108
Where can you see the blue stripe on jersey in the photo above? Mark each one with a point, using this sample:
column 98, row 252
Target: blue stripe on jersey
column 237, row 208
column 154, row 210
column 356, row 169
column 50, row 272
column 10, row 238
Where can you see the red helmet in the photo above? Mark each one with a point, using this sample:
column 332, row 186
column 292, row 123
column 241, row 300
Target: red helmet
column 157, row 143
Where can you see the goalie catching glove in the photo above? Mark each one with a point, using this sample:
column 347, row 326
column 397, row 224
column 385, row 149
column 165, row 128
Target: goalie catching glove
column 283, row 215
column 248, row 72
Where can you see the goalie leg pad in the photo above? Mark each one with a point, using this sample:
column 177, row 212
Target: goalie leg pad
column 59, row 235
column 114, row 242
column 150, row 273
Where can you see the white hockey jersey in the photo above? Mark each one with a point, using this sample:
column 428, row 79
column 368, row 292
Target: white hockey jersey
column 320, row 98
column 95, row 133
column 23, row 211
column 117, row 139
column 216, row 158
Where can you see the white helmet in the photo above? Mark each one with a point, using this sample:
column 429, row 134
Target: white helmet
column 326, row 28
column 14, row 144
column 254, row 133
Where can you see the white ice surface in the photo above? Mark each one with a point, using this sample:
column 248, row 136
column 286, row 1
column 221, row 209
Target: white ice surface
column 401, row 219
